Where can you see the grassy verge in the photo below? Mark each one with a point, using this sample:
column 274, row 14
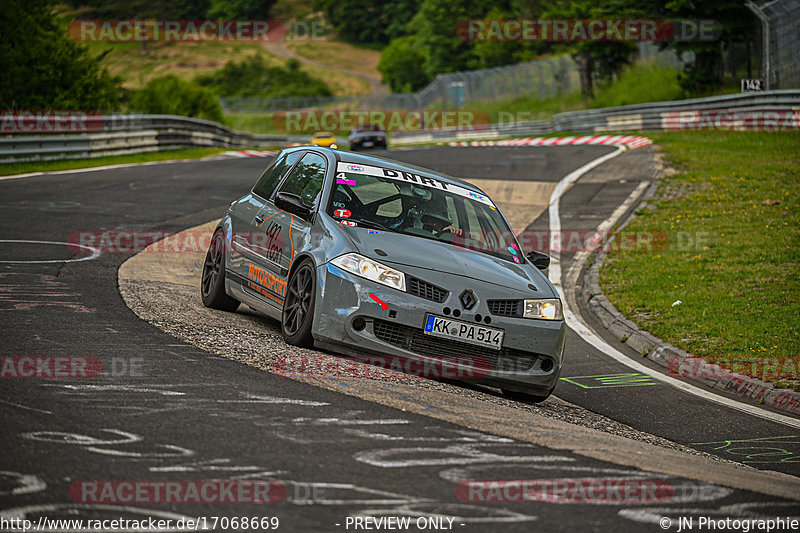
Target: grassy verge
column 184, row 59
column 341, row 55
column 7, row 169
column 726, row 234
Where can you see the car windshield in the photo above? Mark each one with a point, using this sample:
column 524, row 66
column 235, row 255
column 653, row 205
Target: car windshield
column 386, row 199
column 360, row 129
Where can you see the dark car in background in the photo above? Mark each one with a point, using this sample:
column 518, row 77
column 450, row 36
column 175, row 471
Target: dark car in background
column 369, row 136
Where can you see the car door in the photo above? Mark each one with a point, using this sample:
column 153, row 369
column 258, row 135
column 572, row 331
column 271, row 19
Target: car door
column 278, row 235
column 243, row 213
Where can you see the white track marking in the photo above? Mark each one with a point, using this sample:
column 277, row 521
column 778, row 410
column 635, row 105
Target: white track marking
column 95, row 252
column 28, row 408
column 459, row 454
column 316, row 493
column 577, row 324
column 339, row 422
column 81, row 440
column 26, row 484
column 123, row 388
column 177, row 451
column 260, row 398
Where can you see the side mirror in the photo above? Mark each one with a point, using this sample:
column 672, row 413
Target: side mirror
column 293, row 204
column 539, row 260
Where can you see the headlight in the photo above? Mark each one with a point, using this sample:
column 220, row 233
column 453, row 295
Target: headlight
column 371, row 270
column 544, row 309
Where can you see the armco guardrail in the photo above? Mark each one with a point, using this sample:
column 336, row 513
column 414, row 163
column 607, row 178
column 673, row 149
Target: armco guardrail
column 783, row 108
column 128, row 134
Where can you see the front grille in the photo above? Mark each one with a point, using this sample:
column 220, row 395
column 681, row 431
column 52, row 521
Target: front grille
column 505, row 307
column 423, row 289
column 416, row 341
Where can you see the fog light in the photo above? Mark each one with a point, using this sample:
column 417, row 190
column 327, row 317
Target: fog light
column 359, row 324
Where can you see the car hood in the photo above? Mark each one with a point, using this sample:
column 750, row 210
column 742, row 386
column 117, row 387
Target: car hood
column 408, row 250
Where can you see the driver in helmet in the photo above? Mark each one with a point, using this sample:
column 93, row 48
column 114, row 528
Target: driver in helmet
column 436, row 219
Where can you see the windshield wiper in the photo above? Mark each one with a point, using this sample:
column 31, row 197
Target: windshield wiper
column 370, row 224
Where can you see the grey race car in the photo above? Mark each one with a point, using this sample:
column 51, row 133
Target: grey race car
column 362, row 255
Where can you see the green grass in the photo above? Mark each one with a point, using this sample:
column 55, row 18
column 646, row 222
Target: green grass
column 340, row 54
column 7, row 169
column 726, row 234
column 644, row 82
column 639, row 83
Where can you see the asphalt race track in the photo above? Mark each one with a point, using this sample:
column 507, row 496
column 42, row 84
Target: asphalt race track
column 164, row 410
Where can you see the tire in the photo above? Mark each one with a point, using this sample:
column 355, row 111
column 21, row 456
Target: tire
column 212, row 284
column 298, row 306
column 524, row 397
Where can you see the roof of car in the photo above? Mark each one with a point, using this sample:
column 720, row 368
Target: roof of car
column 363, row 159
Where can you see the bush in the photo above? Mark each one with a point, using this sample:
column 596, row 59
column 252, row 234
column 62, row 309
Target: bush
column 169, row 95
column 253, row 77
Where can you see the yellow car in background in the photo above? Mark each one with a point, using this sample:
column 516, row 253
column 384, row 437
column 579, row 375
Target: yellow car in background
column 325, row 139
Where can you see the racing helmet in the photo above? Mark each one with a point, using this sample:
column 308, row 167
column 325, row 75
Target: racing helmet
column 435, row 214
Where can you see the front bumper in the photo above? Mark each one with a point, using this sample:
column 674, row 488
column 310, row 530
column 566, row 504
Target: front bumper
column 348, row 320
column 371, row 142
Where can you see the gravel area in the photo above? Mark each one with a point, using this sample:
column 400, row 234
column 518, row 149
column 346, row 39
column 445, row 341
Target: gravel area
column 249, row 337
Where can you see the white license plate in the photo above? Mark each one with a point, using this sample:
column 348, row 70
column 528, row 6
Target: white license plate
column 464, row 331
column 369, row 143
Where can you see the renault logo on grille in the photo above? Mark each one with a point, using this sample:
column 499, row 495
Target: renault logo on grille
column 468, row 299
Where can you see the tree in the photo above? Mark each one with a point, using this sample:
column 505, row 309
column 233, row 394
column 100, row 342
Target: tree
column 495, row 53
column 367, row 21
column 707, row 72
column 597, row 60
column 435, row 32
column 240, row 9
column 400, row 65
column 45, row 70
column 736, row 23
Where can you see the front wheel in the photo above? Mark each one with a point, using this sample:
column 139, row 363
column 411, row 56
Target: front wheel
column 212, row 287
column 298, row 306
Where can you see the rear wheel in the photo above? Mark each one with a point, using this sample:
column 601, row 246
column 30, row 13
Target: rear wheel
column 298, row 305
column 525, row 397
column 212, row 287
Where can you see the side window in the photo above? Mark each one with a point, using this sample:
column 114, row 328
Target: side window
column 272, row 176
column 306, row 179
